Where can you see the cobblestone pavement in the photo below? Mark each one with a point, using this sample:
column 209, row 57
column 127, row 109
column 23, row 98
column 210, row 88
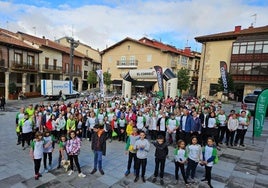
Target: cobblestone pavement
column 238, row 167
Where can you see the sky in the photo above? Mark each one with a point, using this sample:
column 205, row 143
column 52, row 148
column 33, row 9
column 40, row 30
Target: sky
column 102, row 23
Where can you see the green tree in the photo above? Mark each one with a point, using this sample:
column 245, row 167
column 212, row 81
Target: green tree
column 92, row 78
column 183, row 79
column 230, row 83
column 107, row 80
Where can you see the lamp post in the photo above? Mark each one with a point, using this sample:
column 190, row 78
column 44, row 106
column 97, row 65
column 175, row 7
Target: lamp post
column 73, row 44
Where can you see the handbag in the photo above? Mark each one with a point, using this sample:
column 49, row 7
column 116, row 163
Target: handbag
column 114, row 134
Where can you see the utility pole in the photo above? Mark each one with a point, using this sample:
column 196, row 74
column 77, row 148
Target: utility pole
column 73, row 44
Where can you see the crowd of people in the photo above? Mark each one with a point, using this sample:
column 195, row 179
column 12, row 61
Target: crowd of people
column 197, row 128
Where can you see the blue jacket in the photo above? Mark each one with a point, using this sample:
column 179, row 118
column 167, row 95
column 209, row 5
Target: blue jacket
column 188, row 124
column 197, row 125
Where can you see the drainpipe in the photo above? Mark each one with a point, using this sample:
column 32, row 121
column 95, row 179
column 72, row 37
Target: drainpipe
column 201, row 84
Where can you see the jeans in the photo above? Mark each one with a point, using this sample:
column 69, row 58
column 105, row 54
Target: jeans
column 191, row 168
column 181, row 167
column 37, row 164
column 132, row 156
column 162, row 167
column 141, row 163
column 74, row 158
column 98, row 159
column 49, row 159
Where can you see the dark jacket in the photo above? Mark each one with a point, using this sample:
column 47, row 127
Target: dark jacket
column 161, row 150
column 99, row 143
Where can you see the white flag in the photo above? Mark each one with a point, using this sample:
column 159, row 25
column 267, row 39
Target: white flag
column 101, row 84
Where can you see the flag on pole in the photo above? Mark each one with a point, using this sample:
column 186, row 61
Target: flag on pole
column 159, row 74
column 260, row 112
column 223, row 71
column 101, row 83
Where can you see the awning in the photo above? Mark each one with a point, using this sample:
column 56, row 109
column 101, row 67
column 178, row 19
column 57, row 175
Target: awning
column 145, row 84
column 117, row 82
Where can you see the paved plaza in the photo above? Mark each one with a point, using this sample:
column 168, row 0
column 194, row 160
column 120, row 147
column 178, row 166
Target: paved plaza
column 237, row 168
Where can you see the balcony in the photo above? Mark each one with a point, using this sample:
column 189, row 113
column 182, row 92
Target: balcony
column 23, row 66
column 75, row 73
column 52, row 69
column 127, row 64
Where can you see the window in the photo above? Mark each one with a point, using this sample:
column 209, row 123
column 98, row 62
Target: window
column 265, row 47
column 85, row 63
column 123, row 60
column 235, row 49
column 233, row 68
column 46, row 62
column 184, row 60
column 149, row 58
column 132, row 60
column 30, row 60
column 250, row 48
column 18, row 58
column 243, row 49
column 85, row 74
column 54, row 64
column 213, row 89
column 264, row 69
column 66, row 68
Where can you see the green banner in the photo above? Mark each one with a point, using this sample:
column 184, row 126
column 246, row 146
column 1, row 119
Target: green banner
column 260, row 112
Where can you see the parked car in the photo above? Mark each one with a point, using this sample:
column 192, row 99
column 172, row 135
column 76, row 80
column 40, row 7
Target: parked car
column 250, row 100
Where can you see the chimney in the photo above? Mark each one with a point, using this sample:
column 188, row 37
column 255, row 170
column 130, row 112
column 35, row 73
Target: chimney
column 187, row 50
column 237, row 29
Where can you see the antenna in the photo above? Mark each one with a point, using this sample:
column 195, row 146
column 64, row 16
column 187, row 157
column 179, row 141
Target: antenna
column 72, row 30
column 255, row 19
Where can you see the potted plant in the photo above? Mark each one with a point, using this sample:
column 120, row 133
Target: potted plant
column 12, row 91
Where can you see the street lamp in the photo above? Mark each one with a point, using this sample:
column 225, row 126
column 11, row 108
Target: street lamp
column 73, row 44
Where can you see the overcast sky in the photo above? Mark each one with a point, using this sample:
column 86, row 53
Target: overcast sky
column 101, row 23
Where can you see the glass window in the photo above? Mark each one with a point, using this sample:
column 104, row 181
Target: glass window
column 250, row 48
column 235, row 49
column 258, row 48
column 213, row 89
column 264, row 68
column 233, row 68
column 265, row 48
column 255, row 69
column 123, row 60
column 184, row 60
column 30, row 60
column 240, row 68
column 247, row 69
column 259, row 42
column 132, row 60
column 243, row 49
column 86, row 63
column 18, row 58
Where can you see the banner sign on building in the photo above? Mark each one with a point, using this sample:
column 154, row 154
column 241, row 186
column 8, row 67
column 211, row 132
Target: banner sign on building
column 101, row 83
column 260, row 112
column 223, row 71
column 159, row 74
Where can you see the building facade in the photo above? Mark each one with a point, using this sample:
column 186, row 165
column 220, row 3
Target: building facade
column 246, row 53
column 145, row 53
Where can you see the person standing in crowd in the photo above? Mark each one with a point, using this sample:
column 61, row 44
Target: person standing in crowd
column 203, row 116
column 212, row 130
column 90, row 123
column 129, row 149
column 98, row 146
column 209, row 158
column 194, row 151
column 19, row 117
column 180, row 156
column 49, row 145
column 60, row 126
column 121, row 122
column 242, row 128
column 142, row 146
column 36, row 152
column 172, row 125
column 196, row 128
column 222, row 120
column 26, row 130
column 3, row 103
column 161, row 152
column 73, row 146
column 62, row 149
column 232, row 127
column 161, row 125
column 186, row 122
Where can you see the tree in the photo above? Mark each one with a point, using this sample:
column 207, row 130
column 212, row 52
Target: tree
column 92, row 78
column 107, row 79
column 230, row 83
column 183, row 79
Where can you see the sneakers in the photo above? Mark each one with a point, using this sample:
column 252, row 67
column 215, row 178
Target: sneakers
column 49, row 167
column 127, row 173
column 93, row 171
column 101, row 171
column 70, row 172
column 204, row 180
column 136, row 179
column 36, row 177
column 46, row 170
column 161, row 182
column 154, row 180
column 81, row 175
column 143, row 179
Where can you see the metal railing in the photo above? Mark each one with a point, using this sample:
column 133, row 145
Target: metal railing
column 23, row 66
column 127, row 63
column 51, row 68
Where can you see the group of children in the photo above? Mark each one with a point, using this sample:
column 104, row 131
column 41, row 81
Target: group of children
column 137, row 148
